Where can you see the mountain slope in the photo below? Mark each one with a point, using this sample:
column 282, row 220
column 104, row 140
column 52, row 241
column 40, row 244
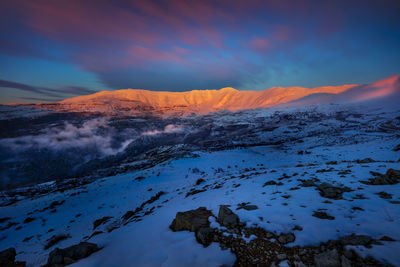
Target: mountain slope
column 132, row 101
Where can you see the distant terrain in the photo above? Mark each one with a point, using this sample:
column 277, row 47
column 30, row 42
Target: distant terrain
column 306, row 177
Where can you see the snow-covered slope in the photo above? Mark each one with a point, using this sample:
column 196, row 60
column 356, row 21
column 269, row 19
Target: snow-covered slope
column 133, row 101
column 282, row 179
column 383, row 93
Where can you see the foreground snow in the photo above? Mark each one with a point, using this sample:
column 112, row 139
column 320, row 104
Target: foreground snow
column 231, row 177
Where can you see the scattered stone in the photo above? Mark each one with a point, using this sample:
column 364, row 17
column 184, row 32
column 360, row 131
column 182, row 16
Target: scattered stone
column 69, row 255
column 387, row 238
column 358, row 240
column 329, row 191
column 199, row 181
column 297, row 228
column 384, row 195
column 100, row 221
column 191, row 220
column 250, row 207
column 366, row 160
column 205, row 236
column 323, row 215
column 29, row 219
column 4, row 219
column 194, row 191
column 227, row 218
column 55, row 239
column 281, row 257
column 307, row 183
column 329, row 258
column 140, row 178
column 272, row 182
column 286, row 238
column 391, row 177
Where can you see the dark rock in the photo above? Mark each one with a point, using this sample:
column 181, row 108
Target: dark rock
column 7, row 258
column 387, row 238
column 55, row 239
column 62, row 257
column 100, row 221
column 391, row 177
column 199, row 181
column 191, row 220
column 366, row 160
column 358, row 240
column 250, row 207
column 4, row 219
column 29, row 219
column 322, row 215
column 384, row 195
column 286, row 238
column 272, row 182
column 329, row 258
column 307, row 183
column 205, row 236
column 329, row 191
column 227, row 218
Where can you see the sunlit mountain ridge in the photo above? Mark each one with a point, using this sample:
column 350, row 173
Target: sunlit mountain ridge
column 142, row 102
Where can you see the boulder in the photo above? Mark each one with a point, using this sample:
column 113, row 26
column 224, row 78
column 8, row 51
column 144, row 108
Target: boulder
column 191, row 220
column 329, row 258
column 391, row 177
column 286, row 238
column 227, row 218
column 7, row 258
column 66, row 256
column 205, row 236
column 329, row 191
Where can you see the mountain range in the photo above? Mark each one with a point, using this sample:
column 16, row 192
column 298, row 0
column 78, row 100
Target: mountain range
column 145, row 102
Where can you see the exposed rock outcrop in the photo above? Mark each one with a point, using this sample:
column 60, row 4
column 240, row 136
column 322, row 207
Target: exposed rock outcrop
column 61, row 257
column 7, row 258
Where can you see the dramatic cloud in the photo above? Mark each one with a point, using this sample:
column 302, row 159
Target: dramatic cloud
column 46, row 93
column 179, row 45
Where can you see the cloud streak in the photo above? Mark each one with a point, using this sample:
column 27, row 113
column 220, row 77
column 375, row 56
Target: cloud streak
column 46, row 93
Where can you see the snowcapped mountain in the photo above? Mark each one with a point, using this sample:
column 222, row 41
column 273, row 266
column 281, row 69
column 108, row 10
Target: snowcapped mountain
column 134, row 101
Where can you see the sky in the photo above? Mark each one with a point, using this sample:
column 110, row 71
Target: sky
column 52, row 50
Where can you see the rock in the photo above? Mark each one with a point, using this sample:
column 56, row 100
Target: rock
column 329, row 191
column 55, row 239
column 100, row 221
column 323, row 215
column 366, row 160
column 391, row 177
column 205, row 236
column 199, row 181
column 62, row 257
column 345, row 261
column 227, row 218
column 387, row 238
column 191, row 220
column 329, row 258
column 358, row 240
column 384, row 195
column 250, row 207
column 307, row 183
column 281, row 256
column 286, row 238
column 29, row 219
column 7, row 258
column 269, row 183
column 299, row 264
